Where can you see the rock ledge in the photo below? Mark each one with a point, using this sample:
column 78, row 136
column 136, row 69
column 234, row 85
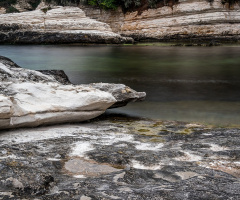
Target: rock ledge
column 30, row 98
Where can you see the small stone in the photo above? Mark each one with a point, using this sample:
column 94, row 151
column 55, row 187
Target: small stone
column 85, row 198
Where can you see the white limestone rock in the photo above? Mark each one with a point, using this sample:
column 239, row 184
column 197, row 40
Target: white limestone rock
column 30, row 98
column 57, row 25
column 190, row 19
column 186, row 20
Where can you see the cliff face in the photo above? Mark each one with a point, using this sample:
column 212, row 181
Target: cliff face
column 186, row 20
column 58, row 25
column 189, row 19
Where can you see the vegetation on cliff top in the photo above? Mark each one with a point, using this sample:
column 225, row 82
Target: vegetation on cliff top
column 113, row 4
column 127, row 5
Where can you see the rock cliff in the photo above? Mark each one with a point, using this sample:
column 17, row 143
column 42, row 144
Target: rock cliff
column 58, row 25
column 185, row 20
column 31, row 98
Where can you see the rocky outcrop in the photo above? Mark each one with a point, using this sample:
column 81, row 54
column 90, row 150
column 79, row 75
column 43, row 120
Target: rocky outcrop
column 31, row 98
column 118, row 157
column 114, row 18
column 121, row 93
column 58, row 25
column 186, row 20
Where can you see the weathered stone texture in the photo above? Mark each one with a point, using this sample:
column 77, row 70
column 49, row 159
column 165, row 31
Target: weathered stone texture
column 118, row 157
column 185, row 20
column 58, row 25
column 30, row 98
column 114, row 18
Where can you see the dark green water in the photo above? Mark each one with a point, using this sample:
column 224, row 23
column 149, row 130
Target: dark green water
column 198, row 84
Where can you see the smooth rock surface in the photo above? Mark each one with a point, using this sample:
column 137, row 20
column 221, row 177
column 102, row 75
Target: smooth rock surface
column 58, row 25
column 31, row 98
column 121, row 93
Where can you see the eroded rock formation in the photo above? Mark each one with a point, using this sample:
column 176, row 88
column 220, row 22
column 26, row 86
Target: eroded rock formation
column 185, row 20
column 195, row 20
column 58, row 25
column 31, row 98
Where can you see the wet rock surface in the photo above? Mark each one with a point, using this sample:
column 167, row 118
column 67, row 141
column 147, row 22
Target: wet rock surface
column 118, row 157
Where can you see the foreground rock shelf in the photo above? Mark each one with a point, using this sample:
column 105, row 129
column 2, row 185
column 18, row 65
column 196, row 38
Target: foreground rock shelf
column 31, row 98
column 118, row 157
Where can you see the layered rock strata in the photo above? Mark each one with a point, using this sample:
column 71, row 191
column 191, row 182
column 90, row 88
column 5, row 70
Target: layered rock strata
column 31, row 98
column 195, row 20
column 186, row 20
column 58, row 25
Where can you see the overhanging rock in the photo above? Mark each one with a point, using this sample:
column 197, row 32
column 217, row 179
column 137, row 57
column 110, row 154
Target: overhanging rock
column 30, row 98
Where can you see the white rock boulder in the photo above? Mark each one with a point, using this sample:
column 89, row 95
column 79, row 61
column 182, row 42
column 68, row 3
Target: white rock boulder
column 29, row 98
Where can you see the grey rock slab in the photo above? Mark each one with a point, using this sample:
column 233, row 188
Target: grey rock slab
column 102, row 159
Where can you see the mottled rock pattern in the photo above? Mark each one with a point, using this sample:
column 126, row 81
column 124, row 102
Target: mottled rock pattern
column 58, row 25
column 31, row 98
column 122, row 158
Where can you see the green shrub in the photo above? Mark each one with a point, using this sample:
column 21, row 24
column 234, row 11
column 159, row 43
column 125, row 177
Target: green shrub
column 63, row 2
column 130, row 3
column 230, row 1
column 11, row 9
column 7, row 3
column 46, row 9
column 106, row 4
column 112, row 4
column 34, row 3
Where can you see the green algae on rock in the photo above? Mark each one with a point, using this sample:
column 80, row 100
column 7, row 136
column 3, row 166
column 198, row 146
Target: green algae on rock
column 50, row 162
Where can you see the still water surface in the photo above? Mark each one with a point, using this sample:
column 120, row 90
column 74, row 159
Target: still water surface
column 197, row 84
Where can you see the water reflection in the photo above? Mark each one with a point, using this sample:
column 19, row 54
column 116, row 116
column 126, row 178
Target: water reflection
column 182, row 83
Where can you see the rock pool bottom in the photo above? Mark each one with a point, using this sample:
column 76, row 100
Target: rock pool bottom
column 114, row 157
